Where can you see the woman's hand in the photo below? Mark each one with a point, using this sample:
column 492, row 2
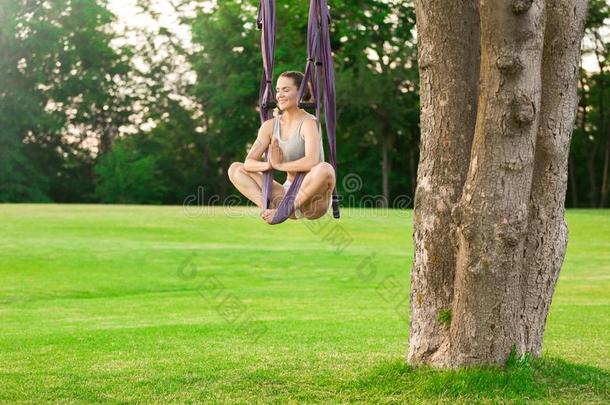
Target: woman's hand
column 276, row 158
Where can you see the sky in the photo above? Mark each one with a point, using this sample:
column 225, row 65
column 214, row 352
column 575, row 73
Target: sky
column 129, row 16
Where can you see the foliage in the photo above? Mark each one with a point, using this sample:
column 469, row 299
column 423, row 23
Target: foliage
column 124, row 176
column 228, row 72
column 72, row 83
column 376, row 98
column 59, row 95
column 589, row 181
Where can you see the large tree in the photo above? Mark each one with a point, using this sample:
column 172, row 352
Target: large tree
column 498, row 100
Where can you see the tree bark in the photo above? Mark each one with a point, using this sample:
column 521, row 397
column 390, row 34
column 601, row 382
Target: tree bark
column 489, row 231
column 448, row 59
column 492, row 214
column 546, row 237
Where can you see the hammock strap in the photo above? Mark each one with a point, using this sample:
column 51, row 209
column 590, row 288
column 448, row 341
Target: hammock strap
column 319, row 64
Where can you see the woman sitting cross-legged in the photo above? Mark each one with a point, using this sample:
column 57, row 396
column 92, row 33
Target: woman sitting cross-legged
column 296, row 146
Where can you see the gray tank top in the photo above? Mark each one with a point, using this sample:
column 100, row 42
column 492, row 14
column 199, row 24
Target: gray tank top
column 293, row 148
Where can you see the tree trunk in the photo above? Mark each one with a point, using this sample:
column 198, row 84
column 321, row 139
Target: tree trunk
column 604, row 189
column 448, row 57
column 386, row 168
column 546, row 237
column 591, row 171
column 573, row 182
column 107, row 136
column 223, row 189
column 581, row 119
column 492, row 175
column 594, row 195
column 603, row 130
column 412, row 162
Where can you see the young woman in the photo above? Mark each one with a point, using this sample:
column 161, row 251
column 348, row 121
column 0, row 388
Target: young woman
column 296, row 146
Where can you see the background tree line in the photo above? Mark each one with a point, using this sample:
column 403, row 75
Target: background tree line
column 86, row 116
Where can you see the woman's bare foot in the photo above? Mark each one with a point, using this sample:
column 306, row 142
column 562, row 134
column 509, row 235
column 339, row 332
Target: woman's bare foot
column 268, row 214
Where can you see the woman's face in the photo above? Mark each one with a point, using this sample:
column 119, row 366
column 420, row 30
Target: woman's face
column 287, row 92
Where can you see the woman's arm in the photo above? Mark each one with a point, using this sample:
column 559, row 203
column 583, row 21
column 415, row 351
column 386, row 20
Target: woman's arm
column 253, row 162
column 312, row 150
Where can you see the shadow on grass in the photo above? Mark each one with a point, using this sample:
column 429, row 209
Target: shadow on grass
column 547, row 379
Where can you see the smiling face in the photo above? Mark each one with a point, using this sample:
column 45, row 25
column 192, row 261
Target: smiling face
column 287, row 92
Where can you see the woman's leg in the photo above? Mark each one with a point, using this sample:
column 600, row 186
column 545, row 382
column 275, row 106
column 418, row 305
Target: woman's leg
column 314, row 195
column 250, row 184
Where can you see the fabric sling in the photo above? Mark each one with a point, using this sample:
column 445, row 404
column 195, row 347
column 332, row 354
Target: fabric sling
column 319, row 65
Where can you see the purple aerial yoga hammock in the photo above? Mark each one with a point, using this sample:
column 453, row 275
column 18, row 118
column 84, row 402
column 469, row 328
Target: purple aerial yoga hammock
column 319, row 63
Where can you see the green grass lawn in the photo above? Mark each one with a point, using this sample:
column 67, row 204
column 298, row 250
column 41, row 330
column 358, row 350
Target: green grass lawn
column 102, row 303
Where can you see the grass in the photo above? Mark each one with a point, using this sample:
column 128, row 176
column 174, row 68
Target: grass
column 147, row 304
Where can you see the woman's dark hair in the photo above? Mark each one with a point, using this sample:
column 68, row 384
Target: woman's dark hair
column 297, row 78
